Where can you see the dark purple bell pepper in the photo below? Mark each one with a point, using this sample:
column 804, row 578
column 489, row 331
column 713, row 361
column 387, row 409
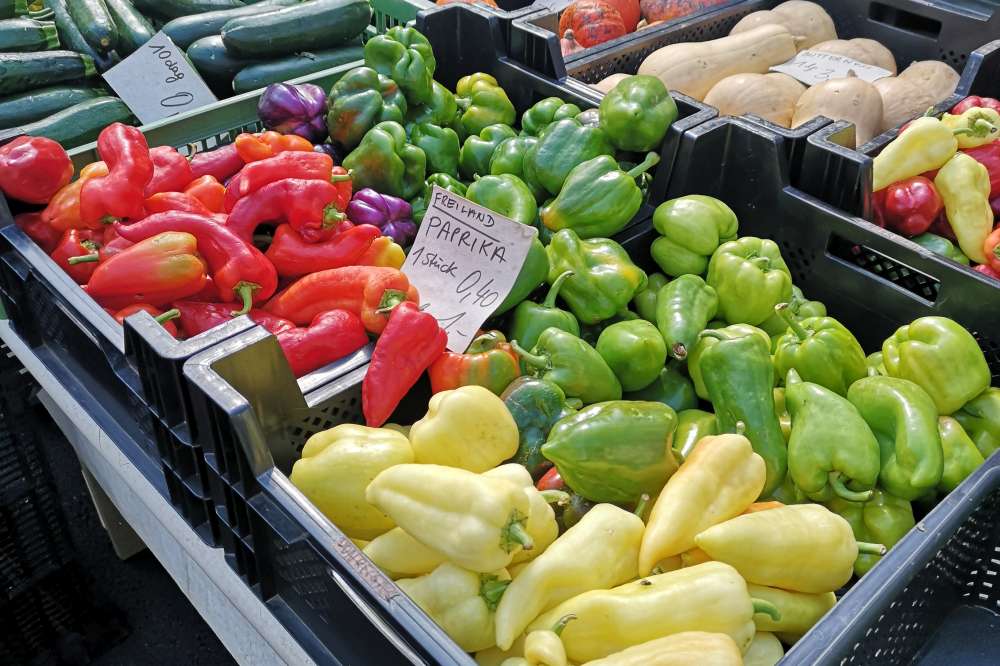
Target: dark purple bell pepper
column 294, row 108
column 390, row 214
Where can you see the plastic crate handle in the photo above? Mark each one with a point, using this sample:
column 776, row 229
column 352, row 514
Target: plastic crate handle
column 904, row 19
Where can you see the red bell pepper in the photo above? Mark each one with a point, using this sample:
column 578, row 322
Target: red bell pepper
column 197, row 317
column 78, row 253
column 164, row 201
column 38, row 230
column 989, row 156
column 942, row 227
column 908, row 207
column 119, row 195
column 63, row 210
column 294, row 164
column 309, row 206
column 33, row 169
column 222, row 163
column 489, row 361
column 163, row 318
column 991, row 248
column 293, row 257
column 157, row 271
column 330, row 336
column 239, row 269
column 551, row 480
column 364, row 290
column 974, row 101
column 987, row 270
column 254, row 147
column 208, row 190
column 411, row 342
column 171, row 171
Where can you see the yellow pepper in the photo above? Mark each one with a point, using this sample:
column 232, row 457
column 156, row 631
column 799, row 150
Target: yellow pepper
column 689, row 558
column 468, row 427
column 683, row 649
column 925, row 145
column 398, row 554
column 338, row 464
column 718, row 480
column 803, row 547
column 765, row 650
column 964, row 186
column 461, row 601
column 799, row 610
column 599, row 552
column 474, row 521
column 709, row 597
column 494, row 656
column 543, row 647
column 541, row 524
column 975, row 127
column 383, row 252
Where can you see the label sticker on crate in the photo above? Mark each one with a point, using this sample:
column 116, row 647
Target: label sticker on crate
column 812, row 67
column 464, row 261
column 157, row 81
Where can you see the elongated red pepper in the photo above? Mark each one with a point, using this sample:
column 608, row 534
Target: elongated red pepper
column 989, row 156
column 78, row 253
column 197, row 317
column 33, row 169
column 551, row 480
column 293, row 257
column 171, row 171
column 208, row 190
column 908, row 207
column 63, row 211
column 254, row 147
column 309, row 206
column 222, row 163
column 974, row 101
column 164, row 201
column 163, row 318
column 411, row 342
column 330, row 336
column 364, row 290
column 44, row 234
column 239, row 269
column 291, row 164
column 119, row 195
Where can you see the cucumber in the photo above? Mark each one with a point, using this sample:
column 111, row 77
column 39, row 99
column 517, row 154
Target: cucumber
column 133, row 28
column 294, row 66
column 25, row 34
column 81, row 123
column 13, row 8
column 312, row 25
column 216, row 64
column 25, row 71
column 33, row 105
column 185, row 30
column 94, row 21
column 171, row 9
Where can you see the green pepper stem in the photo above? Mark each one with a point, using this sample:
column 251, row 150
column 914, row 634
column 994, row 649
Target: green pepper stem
column 332, row 216
column 517, row 534
column 841, row 490
column 767, row 608
column 168, row 315
column 534, row 360
column 550, row 298
column 712, row 333
column 741, row 428
column 763, row 263
column 574, row 403
column 558, row 627
column 645, row 165
column 390, row 299
column 783, row 311
column 865, row 548
column 244, row 291
column 491, row 589
column 555, row 497
column 340, row 177
column 83, row 259
column 640, row 506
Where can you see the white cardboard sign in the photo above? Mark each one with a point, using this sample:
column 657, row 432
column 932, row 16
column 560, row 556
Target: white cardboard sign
column 812, row 67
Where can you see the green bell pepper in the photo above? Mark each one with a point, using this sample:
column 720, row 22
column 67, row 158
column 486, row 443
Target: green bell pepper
column 781, row 411
column 799, row 306
column 645, row 299
column 883, row 519
column 904, row 420
column 604, row 278
column 544, row 113
column 739, row 378
column 532, row 274
column 703, row 343
column 385, row 162
column 961, row 457
column 571, row 363
column 634, row 351
column 874, row 363
column 597, row 199
column 637, row 113
column 941, row 245
column 590, row 118
column 440, row 146
column 506, row 194
column 509, row 158
column 980, row 417
column 361, row 99
column 683, row 309
column 751, row 278
column 564, row 145
column 478, row 149
column 444, row 181
column 614, row 451
column 406, row 57
column 941, row 357
column 536, row 405
column 691, row 228
column 440, row 109
column 821, row 350
column 830, row 446
column 692, row 425
column 481, row 103
column 789, row 493
column 671, row 387
column 530, row 319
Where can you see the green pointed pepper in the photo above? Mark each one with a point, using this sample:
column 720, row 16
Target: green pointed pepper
column 406, row 57
column 691, row 228
column 671, row 387
column 545, row 112
column 980, row 417
column 692, row 425
column 478, row 149
column 530, row 319
column 704, row 342
column 637, row 113
column 506, row 194
column 751, row 278
column 821, row 350
column 961, row 457
column 574, row 365
column 683, row 309
column 564, row 145
column 645, row 299
column 440, row 146
column 634, row 351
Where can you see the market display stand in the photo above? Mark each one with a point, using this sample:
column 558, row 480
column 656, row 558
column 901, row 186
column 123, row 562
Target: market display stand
column 242, row 622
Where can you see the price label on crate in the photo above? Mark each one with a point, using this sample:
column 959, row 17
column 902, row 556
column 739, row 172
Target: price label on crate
column 157, row 81
column 464, row 261
column 812, row 67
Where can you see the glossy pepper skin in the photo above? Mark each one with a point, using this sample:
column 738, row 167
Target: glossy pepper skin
column 989, row 156
column 563, row 145
column 964, row 186
column 705, row 342
column 692, row 426
column 506, row 194
column 529, row 319
column 961, row 457
column 975, row 126
column 399, row 555
column 532, row 274
column 597, row 198
column 691, row 228
column 686, row 647
column 163, row 318
column 440, row 146
column 883, row 519
column 821, row 350
column 671, row 387
column 77, row 253
column 361, row 99
column 440, row 109
column 33, row 169
column 604, row 278
column 196, row 317
column 45, row 235
column 751, row 278
column 164, row 201
column 940, row 356
column 260, row 146
column 942, row 246
column 330, row 336
column 644, row 301
column 976, row 101
column 489, row 362
column 383, row 252
column 442, row 180
column 926, row 145
column 120, row 193
column 799, row 610
column 290, row 164
column 171, row 171
column 991, row 248
column 683, row 309
column 478, row 149
column 573, row 364
column 908, row 207
column 545, row 112
column 637, row 113
column 222, row 163
column 313, row 208
column 799, row 307
column 481, row 103
column 406, row 57
column 391, row 215
column 535, row 405
column 385, row 162
column 508, row 158
column 209, row 191
column 980, row 417
column 634, row 351
column 541, row 524
column 904, row 420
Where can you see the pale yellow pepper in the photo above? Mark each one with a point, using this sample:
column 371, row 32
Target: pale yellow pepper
column 541, row 524
column 599, row 552
column 468, row 427
column 765, row 650
column 708, row 597
column 687, row 648
column 964, row 186
column 720, row 478
column 799, row 610
column 494, row 656
column 336, row 467
column 543, row 647
column 474, row 521
column 975, row 127
column 690, row 558
column 925, row 145
column 398, row 554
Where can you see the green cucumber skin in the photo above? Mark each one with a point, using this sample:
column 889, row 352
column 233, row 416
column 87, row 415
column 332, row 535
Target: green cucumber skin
column 25, row 71
column 95, row 23
column 171, row 9
column 17, row 110
column 216, row 64
column 12, row 8
column 186, row 30
column 292, row 67
column 25, row 34
column 81, row 123
column 133, row 28
column 306, row 27
column 70, row 35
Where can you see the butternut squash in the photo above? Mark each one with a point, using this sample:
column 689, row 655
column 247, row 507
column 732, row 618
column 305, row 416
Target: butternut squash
column 851, row 99
column 937, row 78
column 606, row 84
column 770, row 96
column 693, row 68
column 808, row 22
column 901, row 101
column 863, row 50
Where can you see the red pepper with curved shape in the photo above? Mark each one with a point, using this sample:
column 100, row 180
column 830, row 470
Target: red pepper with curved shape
column 78, row 253
column 161, row 317
column 119, row 195
column 254, row 147
column 989, row 156
column 331, row 335
column 33, row 169
column 37, row 229
column 209, row 191
column 63, row 211
column 164, row 201
column 239, row 269
column 292, row 164
column 908, row 207
column 222, row 163
column 171, row 171
column 197, row 317
column 309, row 206
column 293, row 257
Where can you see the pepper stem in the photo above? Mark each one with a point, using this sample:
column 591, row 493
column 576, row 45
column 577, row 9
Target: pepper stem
column 763, row 263
column 83, row 259
column 167, row 316
column 550, row 298
column 340, row 177
column 390, row 299
column 491, row 589
column 785, row 313
column 517, row 534
column 712, row 333
column 555, row 497
column 767, row 608
column 865, row 548
column 558, row 627
column 332, row 216
column 841, row 489
column 244, row 290
column 534, row 360
column 644, row 166
column 678, row 351
column 640, row 506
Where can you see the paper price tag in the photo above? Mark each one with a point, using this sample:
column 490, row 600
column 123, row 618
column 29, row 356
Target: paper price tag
column 812, row 67
column 157, row 81
column 464, row 261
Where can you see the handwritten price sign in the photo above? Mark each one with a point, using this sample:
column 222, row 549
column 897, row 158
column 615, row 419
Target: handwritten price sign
column 813, row 67
column 464, row 261
column 157, row 81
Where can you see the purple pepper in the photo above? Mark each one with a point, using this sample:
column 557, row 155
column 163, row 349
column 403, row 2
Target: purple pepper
column 391, row 215
column 294, row 108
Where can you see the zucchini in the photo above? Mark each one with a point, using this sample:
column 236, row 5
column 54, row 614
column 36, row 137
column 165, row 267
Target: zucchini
column 13, row 8
column 81, row 123
column 171, row 9
column 94, row 21
column 25, row 34
column 185, row 30
column 25, row 71
column 133, row 28
column 33, row 105
column 216, row 64
column 294, row 66
column 317, row 24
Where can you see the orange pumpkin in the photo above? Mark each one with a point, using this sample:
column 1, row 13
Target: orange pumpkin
column 594, row 22
column 629, row 9
column 667, row 10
